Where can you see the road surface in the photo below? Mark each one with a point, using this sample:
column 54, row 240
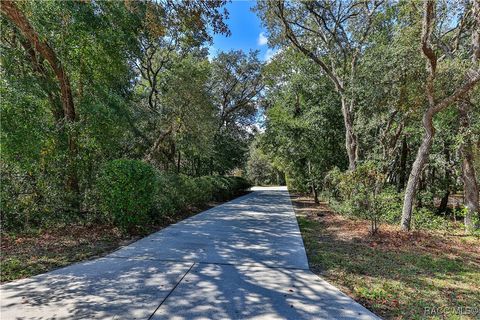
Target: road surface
column 244, row 259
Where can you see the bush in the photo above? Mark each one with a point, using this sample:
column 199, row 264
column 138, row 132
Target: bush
column 227, row 187
column 178, row 192
column 424, row 218
column 222, row 188
column 127, row 190
column 31, row 200
column 127, row 193
column 361, row 193
column 206, row 189
column 133, row 194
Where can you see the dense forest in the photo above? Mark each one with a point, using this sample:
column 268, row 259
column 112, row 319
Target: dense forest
column 86, row 83
column 372, row 105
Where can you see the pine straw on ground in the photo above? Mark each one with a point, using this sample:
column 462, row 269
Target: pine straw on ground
column 398, row 275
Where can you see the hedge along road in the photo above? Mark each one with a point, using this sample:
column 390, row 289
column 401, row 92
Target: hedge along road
column 244, row 259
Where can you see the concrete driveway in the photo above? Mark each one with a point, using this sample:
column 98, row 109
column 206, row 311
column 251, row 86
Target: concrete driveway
column 244, row 259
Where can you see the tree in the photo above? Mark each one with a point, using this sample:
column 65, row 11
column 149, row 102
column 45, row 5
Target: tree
column 259, row 167
column 333, row 35
column 303, row 129
column 470, row 184
column 171, row 33
column 71, row 96
column 236, row 86
column 34, row 45
column 435, row 105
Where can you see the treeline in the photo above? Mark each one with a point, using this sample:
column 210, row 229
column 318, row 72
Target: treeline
column 375, row 104
column 87, row 82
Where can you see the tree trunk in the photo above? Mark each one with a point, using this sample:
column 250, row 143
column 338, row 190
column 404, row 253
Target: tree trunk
column 157, row 145
column 11, row 11
column 403, row 165
column 350, row 137
column 415, row 174
column 313, row 186
column 178, row 161
column 472, row 77
column 315, row 194
column 45, row 83
column 444, row 202
column 470, row 186
column 347, row 106
column 448, row 173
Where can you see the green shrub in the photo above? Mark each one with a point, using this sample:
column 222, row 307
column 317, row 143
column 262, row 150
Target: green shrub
column 178, row 192
column 165, row 201
column 206, row 189
column 241, row 184
column 361, row 193
column 226, row 187
column 424, row 218
column 33, row 200
column 127, row 190
column 392, row 203
column 133, row 194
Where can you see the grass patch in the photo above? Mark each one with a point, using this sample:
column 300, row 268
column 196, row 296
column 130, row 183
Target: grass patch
column 396, row 275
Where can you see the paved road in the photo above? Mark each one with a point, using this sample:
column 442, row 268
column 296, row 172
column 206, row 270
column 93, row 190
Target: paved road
column 244, row 259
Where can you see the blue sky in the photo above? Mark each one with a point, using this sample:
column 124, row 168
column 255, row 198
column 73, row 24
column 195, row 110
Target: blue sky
column 246, row 29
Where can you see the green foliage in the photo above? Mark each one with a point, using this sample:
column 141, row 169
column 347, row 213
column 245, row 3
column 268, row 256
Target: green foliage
column 226, row 187
column 222, row 187
column 143, row 87
column 174, row 193
column 19, row 208
column 134, row 195
column 127, row 190
column 304, row 131
column 363, row 193
column 260, row 169
column 227, row 143
column 424, row 218
column 380, row 93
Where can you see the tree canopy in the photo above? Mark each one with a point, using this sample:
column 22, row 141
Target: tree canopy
column 403, row 76
column 386, row 89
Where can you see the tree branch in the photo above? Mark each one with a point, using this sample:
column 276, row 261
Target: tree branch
column 11, row 11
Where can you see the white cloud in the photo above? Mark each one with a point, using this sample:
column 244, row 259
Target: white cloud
column 262, row 39
column 269, row 54
column 212, row 52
